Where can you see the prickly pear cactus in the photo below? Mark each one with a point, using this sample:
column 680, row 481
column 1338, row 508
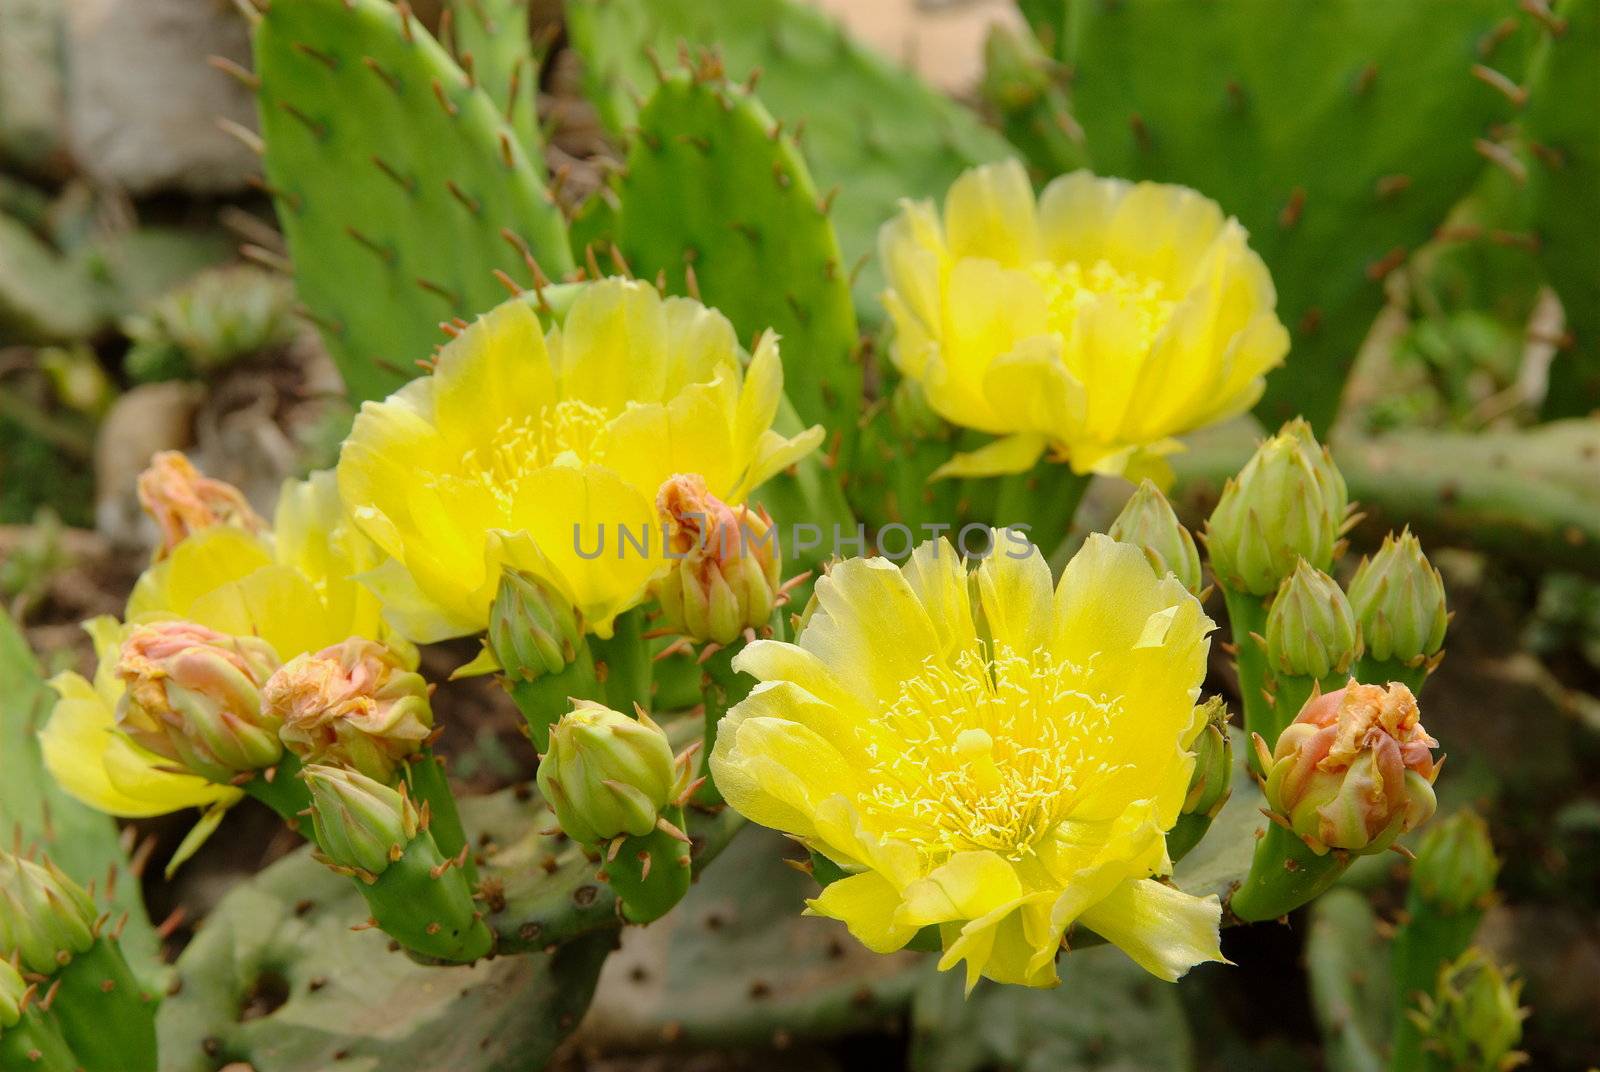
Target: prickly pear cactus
column 277, row 979
column 491, row 42
column 1565, row 182
column 1339, row 133
column 399, row 184
column 876, row 131
column 734, row 964
column 1349, row 990
column 717, row 195
column 1107, row 1014
column 82, row 842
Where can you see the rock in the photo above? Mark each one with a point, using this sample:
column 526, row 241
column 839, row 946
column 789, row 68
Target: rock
column 149, row 418
column 143, row 103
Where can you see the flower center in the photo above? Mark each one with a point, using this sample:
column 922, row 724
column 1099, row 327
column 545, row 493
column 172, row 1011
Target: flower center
column 1073, row 287
column 522, row 445
column 986, row 753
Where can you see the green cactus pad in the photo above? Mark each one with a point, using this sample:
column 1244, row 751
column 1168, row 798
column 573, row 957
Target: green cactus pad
column 870, row 127
column 278, row 979
column 1565, row 182
column 1340, row 133
column 714, row 187
column 491, row 37
column 104, row 1014
column 1350, row 996
column 400, row 186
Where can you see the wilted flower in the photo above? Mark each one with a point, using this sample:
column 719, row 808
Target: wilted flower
column 1473, row 1020
column 1311, row 630
column 361, row 825
column 45, row 917
column 724, row 576
column 1101, row 321
column 983, row 754
column 1354, row 770
column 352, row 705
column 193, row 696
column 1289, row 502
column 181, row 501
column 1398, row 597
column 1147, row 522
column 607, row 774
column 454, row 474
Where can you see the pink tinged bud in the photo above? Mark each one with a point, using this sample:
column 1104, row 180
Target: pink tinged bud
column 352, row 705
column 193, row 695
column 181, row 501
column 724, row 577
column 1355, row 769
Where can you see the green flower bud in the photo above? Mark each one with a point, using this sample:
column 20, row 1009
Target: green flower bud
column 1456, row 867
column 533, row 630
column 1311, row 630
column 607, row 774
column 352, row 705
column 1354, row 770
column 1147, row 522
column 45, row 917
column 1473, row 1020
column 1212, row 780
column 13, row 990
column 361, row 825
column 193, row 696
column 724, row 576
column 1398, row 598
column 1289, row 502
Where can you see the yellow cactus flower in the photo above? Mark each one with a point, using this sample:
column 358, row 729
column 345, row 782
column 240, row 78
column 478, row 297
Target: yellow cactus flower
column 986, row 755
column 292, row 588
column 529, row 449
column 1100, row 321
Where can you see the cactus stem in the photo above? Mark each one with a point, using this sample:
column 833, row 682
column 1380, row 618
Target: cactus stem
column 235, row 71
column 331, row 62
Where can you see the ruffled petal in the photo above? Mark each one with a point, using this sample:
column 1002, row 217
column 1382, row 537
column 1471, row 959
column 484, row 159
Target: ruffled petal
column 1164, row 930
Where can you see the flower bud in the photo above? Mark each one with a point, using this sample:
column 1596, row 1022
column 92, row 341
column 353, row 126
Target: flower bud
column 724, row 577
column 1473, row 1020
column 1311, row 630
column 181, row 501
column 1398, row 598
column 361, row 825
column 1289, row 502
column 193, row 696
column 607, row 774
column 13, row 991
column 1147, row 522
column 1212, row 780
column 352, row 705
column 45, row 917
column 1354, row 770
column 1456, row 867
column 533, row 630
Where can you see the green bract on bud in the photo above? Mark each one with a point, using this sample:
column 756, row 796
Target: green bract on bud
column 1456, row 867
column 13, row 993
column 193, row 696
column 724, row 575
column 1399, row 600
column 1473, row 1019
column 1311, row 630
column 1212, row 780
column 1147, row 522
column 362, row 825
column 1289, row 502
column 533, row 630
column 352, row 705
column 607, row 774
column 1354, row 770
column 45, row 917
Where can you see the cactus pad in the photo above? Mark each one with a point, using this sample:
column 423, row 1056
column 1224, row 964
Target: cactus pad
column 399, row 184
